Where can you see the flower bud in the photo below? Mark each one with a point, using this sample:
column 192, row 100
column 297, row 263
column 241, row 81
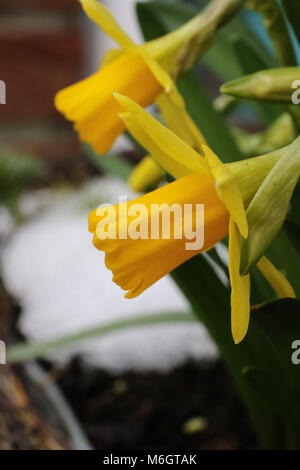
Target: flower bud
column 279, row 134
column 268, row 208
column 273, row 85
column 147, row 173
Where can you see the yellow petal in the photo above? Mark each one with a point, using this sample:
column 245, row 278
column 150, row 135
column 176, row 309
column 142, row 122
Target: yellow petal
column 179, row 121
column 100, row 15
column 276, row 279
column 145, row 174
column 228, row 190
column 171, row 162
column 165, row 139
column 110, row 56
column 163, row 78
column 90, row 103
column 138, row 263
column 240, row 287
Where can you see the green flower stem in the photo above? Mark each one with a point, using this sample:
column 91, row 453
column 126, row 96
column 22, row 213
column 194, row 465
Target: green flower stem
column 251, row 173
column 194, row 38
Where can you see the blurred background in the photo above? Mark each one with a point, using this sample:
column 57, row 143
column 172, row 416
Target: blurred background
column 94, row 370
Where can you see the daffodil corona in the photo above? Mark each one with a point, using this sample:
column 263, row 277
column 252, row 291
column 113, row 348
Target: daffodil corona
column 138, row 263
column 92, row 107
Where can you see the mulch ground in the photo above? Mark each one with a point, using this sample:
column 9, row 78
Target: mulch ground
column 150, row 410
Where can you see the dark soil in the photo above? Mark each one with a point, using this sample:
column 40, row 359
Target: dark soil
column 132, row 411
column 138, row 411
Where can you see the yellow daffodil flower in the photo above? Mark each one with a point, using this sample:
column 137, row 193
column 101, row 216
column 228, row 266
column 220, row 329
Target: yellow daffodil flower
column 145, row 174
column 139, row 72
column 137, row 264
column 223, row 189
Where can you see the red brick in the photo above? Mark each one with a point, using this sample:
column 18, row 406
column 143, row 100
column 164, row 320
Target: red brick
column 41, row 4
column 59, row 148
column 34, row 66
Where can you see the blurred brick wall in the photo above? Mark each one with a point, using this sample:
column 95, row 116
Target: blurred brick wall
column 41, row 52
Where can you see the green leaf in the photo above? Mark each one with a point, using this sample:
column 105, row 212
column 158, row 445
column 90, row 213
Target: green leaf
column 293, row 231
column 261, row 360
column 222, row 51
column 157, row 17
column 110, row 163
column 279, row 321
column 207, row 119
column 261, row 291
column 250, row 62
column 292, row 11
column 277, row 30
column 210, row 300
column 17, row 172
column 277, row 325
column 282, row 402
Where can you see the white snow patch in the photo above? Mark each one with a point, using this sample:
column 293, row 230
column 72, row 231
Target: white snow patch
column 63, row 286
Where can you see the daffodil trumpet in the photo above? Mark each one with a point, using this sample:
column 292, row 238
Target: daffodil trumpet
column 142, row 73
column 137, row 262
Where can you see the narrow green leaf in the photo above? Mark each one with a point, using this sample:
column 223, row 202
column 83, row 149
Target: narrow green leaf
column 280, row 323
column 209, row 121
column 157, row 17
column 17, row 172
column 222, row 51
column 284, row 401
column 277, row 29
column 292, row 11
column 210, row 300
column 293, row 231
column 28, row 351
